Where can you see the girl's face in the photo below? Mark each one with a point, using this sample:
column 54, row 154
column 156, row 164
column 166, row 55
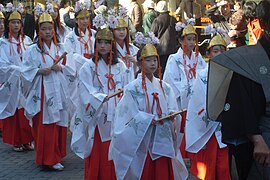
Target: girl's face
column 2, row 26
column 54, row 14
column 83, row 23
column 216, row 50
column 150, row 64
column 16, row 26
column 46, row 30
column 120, row 33
column 191, row 41
column 104, row 46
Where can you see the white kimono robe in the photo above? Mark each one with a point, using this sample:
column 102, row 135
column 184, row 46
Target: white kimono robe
column 75, row 50
column 175, row 75
column 133, row 135
column 199, row 128
column 122, row 52
column 62, row 36
column 56, row 94
column 10, row 71
column 91, row 111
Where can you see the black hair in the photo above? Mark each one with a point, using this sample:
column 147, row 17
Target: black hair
column 63, row 3
column 36, row 40
column 114, row 58
column 76, row 27
column 263, row 11
column 249, row 9
column 6, row 23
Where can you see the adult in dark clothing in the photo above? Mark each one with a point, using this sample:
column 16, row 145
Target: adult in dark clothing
column 239, row 96
column 29, row 25
column 219, row 15
column 164, row 29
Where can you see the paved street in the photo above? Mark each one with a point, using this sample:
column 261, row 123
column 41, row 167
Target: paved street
column 21, row 166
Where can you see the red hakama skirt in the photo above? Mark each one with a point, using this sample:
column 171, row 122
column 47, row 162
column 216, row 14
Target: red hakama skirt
column 159, row 169
column 16, row 129
column 97, row 166
column 211, row 163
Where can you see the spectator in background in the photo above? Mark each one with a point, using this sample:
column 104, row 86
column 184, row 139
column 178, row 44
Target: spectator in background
column 164, row 29
column 220, row 14
column 28, row 21
column 149, row 16
column 136, row 15
column 238, row 28
column 254, row 29
column 191, row 9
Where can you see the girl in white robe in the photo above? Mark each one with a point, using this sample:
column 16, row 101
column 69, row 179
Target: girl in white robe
column 47, row 96
column 125, row 51
column 79, row 44
column 141, row 147
column 16, row 128
column 99, row 78
column 61, row 31
column 203, row 136
column 181, row 70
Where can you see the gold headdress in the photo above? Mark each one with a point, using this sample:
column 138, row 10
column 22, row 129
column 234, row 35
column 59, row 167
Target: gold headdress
column 189, row 29
column 217, row 40
column 216, row 34
column 45, row 17
column 148, row 50
column 121, row 23
column 105, row 34
column 2, row 15
column 15, row 15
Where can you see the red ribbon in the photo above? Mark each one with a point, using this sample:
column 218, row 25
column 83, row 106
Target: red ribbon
column 158, row 108
column 111, row 84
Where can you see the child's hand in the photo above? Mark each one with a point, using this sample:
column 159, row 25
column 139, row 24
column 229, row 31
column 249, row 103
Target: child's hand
column 56, row 67
column 44, row 71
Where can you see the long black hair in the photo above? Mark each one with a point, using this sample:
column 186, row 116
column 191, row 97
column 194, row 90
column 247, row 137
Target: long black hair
column 37, row 39
column 249, row 9
column 114, row 50
column 6, row 22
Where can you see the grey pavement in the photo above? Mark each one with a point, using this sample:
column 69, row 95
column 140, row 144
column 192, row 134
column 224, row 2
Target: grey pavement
column 21, row 166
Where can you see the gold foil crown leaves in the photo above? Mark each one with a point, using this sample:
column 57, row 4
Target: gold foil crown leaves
column 121, row 23
column 45, row 17
column 216, row 41
column 15, row 15
column 148, row 50
column 104, row 34
column 189, row 29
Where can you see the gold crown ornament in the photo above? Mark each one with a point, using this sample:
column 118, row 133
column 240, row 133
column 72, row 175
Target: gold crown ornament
column 105, row 34
column 121, row 23
column 217, row 40
column 55, row 5
column 2, row 15
column 148, row 50
column 83, row 13
column 45, row 17
column 15, row 15
column 189, row 29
